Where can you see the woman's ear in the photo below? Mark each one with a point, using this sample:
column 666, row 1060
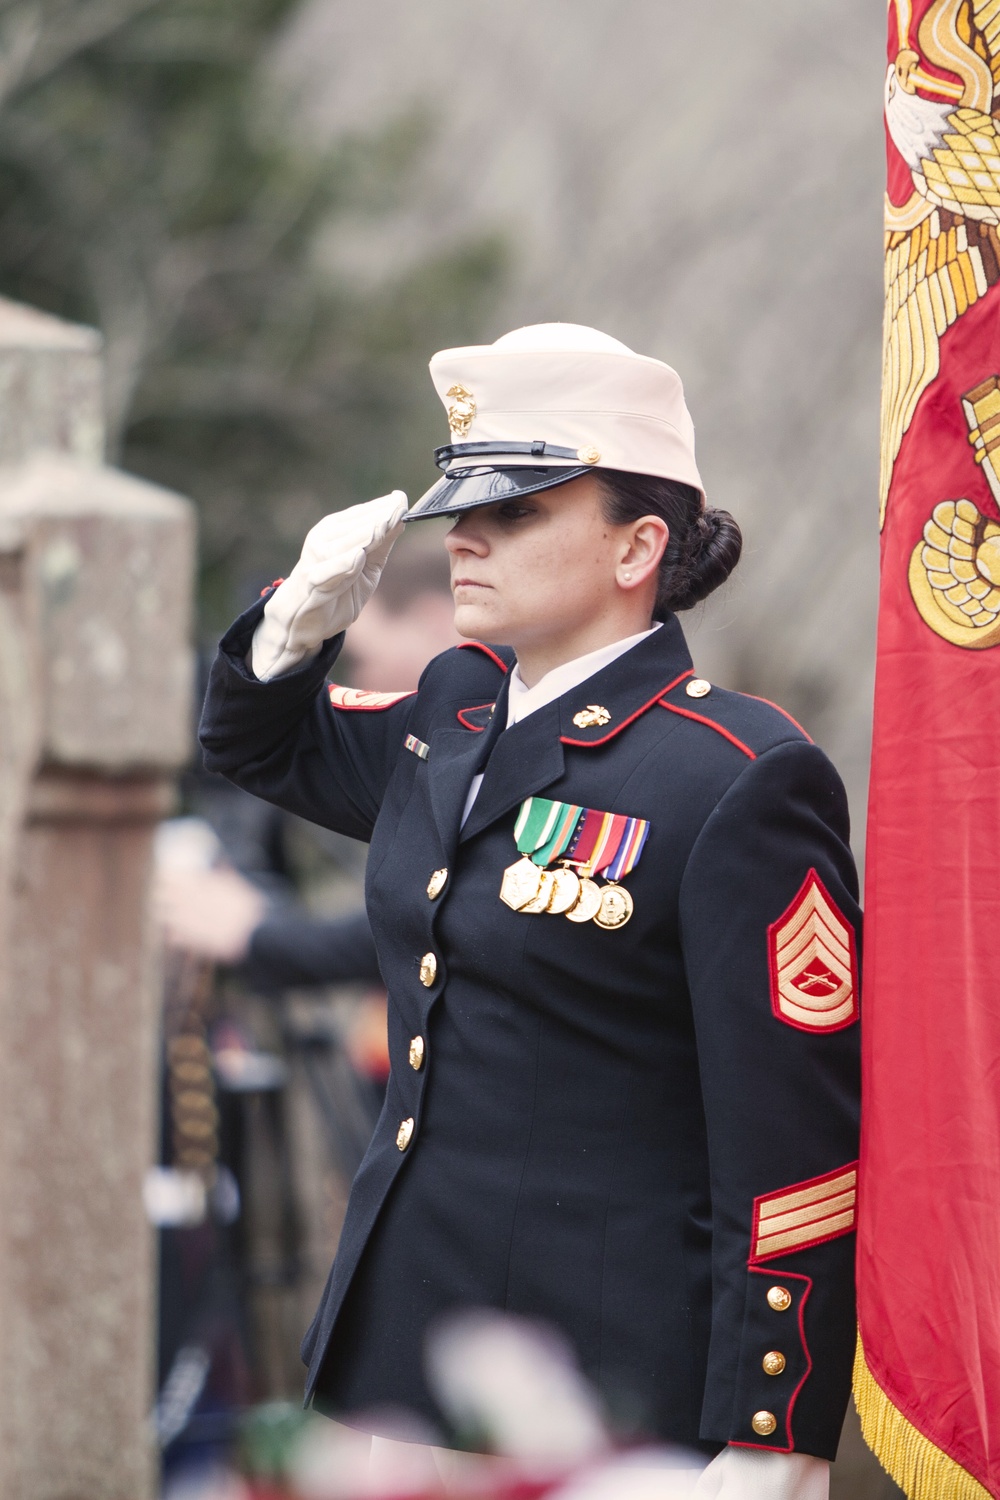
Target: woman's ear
column 642, row 551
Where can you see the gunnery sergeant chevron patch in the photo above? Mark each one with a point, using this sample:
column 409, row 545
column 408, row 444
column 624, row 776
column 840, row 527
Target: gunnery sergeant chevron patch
column 805, row 1214
column 813, row 962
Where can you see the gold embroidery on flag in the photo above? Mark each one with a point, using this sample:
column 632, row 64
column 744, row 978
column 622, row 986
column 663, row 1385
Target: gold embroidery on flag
column 805, row 1214
column 942, row 246
column 813, row 964
column 954, row 572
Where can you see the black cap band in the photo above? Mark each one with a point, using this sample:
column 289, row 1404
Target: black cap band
column 500, row 447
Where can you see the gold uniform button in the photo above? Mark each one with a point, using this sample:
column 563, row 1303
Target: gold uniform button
column 764, row 1423
column 428, row 970
column 437, row 883
column 416, row 1053
column 698, row 688
column 780, row 1298
column 773, row 1362
column 589, row 455
column 404, row 1136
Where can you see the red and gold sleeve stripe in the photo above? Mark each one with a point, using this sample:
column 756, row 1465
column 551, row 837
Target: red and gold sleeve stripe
column 805, row 1214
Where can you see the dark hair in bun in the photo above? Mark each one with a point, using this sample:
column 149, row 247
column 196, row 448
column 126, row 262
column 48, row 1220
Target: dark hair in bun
column 704, row 546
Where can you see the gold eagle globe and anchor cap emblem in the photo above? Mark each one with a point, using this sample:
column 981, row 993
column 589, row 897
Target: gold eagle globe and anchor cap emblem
column 461, row 412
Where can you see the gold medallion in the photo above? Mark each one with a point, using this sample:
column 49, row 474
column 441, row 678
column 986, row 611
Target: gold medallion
column 589, row 902
column 615, row 909
column 565, row 892
column 520, row 883
column 546, row 889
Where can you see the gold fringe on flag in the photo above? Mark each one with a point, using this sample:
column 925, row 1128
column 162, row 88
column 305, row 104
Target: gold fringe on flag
column 917, row 1465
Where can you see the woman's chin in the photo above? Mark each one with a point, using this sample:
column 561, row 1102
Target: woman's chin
column 474, row 622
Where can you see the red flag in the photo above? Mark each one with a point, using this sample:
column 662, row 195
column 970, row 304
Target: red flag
column 927, row 1379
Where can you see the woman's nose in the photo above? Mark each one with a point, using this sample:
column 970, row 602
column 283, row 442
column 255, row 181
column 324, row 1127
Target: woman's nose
column 466, row 536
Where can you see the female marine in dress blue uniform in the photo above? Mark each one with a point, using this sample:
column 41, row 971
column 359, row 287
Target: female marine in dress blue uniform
column 616, row 914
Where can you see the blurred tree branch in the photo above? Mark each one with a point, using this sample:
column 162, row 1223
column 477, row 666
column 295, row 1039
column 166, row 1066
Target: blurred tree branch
column 36, row 39
column 153, row 182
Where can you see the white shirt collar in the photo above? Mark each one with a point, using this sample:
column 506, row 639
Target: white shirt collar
column 524, row 700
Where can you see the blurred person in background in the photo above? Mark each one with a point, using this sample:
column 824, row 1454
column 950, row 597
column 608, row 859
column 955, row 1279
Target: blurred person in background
column 629, row 1107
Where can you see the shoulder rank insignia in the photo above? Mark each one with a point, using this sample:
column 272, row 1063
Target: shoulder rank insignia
column 365, row 702
column 805, row 1214
column 813, row 962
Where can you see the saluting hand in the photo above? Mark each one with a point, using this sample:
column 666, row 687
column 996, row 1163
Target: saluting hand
column 341, row 563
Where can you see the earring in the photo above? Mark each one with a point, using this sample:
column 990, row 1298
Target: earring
column 627, row 576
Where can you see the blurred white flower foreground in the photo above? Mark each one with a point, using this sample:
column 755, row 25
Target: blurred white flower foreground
column 509, row 1385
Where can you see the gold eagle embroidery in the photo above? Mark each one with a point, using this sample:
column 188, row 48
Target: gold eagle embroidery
column 943, row 245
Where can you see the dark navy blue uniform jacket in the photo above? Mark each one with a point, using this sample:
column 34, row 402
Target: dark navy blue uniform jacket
column 645, row 1136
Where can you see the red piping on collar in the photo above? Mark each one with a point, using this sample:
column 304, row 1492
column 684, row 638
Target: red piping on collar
column 784, row 712
column 478, row 646
column 460, row 716
column 786, row 1276
column 700, row 719
column 625, row 722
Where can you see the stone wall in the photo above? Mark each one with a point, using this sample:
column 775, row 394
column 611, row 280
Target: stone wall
column 95, row 694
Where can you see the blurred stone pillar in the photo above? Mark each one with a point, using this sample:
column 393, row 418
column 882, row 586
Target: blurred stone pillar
column 95, row 695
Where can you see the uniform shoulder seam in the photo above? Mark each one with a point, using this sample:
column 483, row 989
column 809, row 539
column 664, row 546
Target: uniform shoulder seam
column 689, row 713
column 784, row 714
column 751, row 724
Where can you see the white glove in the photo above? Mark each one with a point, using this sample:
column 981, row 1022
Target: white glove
column 341, row 563
column 752, row 1474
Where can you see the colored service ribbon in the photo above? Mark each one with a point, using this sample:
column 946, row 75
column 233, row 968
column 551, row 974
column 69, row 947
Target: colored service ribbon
column 608, row 843
column 544, row 829
column 627, row 856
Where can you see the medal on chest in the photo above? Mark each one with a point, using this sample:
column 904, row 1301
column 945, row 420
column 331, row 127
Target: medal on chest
column 562, row 848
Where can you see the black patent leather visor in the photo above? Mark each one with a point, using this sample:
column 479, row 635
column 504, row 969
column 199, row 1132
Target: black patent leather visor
column 469, row 488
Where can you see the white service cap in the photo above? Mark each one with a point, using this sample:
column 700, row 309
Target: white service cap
column 547, row 403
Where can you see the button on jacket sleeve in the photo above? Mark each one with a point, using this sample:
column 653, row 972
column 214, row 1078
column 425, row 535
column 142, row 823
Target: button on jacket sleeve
column 780, row 1103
